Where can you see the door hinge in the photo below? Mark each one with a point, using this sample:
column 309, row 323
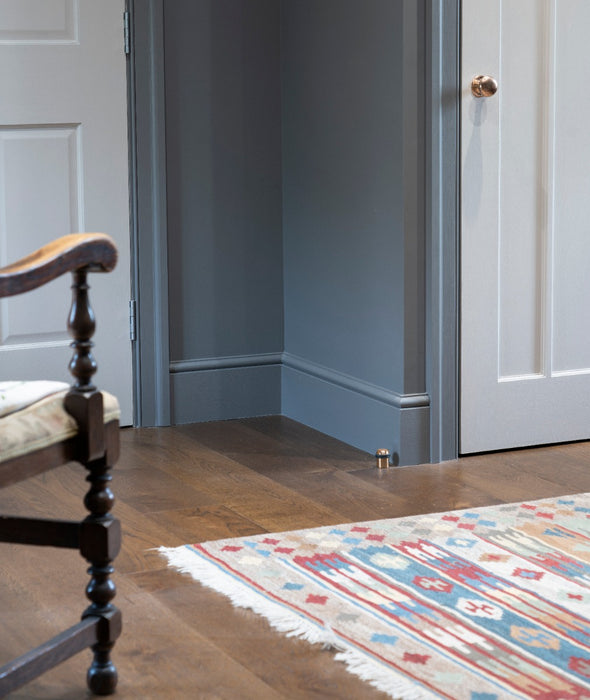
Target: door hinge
column 126, row 33
column 132, row 320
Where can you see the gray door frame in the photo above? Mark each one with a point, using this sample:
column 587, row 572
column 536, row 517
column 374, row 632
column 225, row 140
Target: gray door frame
column 147, row 136
column 441, row 202
column 443, row 192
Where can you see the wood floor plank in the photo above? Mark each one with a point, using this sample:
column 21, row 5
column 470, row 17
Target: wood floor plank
column 424, row 490
column 352, row 498
column 284, row 663
column 275, row 438
column 208, row 523
column 229, row 479
column 160, row 655
column 310, row 443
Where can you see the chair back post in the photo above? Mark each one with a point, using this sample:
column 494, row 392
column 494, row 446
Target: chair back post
column 83, row 401
column 81, row 326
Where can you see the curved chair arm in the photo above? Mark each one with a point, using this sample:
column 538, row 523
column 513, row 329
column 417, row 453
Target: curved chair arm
column 96, row 252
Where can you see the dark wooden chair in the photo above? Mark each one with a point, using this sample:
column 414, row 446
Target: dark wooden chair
column 83, row 427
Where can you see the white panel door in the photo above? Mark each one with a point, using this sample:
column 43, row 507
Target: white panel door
column 525, row 261
column 64, row 169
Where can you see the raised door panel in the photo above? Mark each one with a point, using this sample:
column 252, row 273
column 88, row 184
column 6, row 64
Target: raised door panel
column 525, row 346
column 64, row 169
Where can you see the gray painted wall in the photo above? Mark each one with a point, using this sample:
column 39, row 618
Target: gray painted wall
column 223, row 135
column 293, row 165
column 349, row 244
column 343, row 186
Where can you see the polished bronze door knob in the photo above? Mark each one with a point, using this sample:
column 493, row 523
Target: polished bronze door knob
column 483, row 86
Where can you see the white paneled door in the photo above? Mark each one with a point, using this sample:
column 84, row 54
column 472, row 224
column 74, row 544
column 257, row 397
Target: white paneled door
column 525, row 261
column 63, row 169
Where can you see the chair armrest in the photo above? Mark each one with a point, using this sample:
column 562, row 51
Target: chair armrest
column 96, row 252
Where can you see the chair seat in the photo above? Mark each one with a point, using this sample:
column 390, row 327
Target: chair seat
column 28, row 425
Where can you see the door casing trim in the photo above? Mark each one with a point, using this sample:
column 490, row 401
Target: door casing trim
column 149, row 240
column 443, row 192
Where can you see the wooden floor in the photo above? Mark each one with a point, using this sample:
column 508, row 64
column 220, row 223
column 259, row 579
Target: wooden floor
column 214, row 480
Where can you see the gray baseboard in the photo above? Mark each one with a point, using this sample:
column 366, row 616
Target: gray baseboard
column 225, row 392
column 358, row 413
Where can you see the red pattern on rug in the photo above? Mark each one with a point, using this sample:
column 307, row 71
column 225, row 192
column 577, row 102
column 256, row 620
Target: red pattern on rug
column 479, row 604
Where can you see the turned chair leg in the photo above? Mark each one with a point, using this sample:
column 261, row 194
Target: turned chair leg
column 100, row 544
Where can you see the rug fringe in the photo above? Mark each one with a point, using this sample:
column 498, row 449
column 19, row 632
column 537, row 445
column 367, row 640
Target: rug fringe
column 383, row 679
column 187, row 560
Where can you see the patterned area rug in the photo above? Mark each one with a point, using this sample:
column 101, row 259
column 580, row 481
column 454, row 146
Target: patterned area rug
column 478, row 604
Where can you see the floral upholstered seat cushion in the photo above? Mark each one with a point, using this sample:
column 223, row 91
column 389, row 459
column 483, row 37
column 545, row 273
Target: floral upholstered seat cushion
column 34, row 417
